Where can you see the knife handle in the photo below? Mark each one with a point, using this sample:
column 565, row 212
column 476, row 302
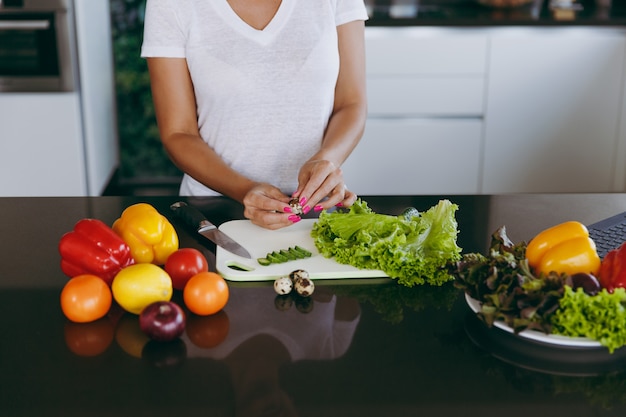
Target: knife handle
column 191, row 216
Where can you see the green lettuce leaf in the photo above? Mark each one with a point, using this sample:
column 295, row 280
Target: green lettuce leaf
column 413, row 249
column 601, row 317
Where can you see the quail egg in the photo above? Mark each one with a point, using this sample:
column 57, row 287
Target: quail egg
column 283, row 285
column 298, row 274
column 304, row 287
column 296, row 207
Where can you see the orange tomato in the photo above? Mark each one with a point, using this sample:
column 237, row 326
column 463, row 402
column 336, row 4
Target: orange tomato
column 205, row 293
column 85, row 298
column 208, row 331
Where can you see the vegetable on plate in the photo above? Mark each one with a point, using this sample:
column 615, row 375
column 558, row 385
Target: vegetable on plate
column 613, row 269
column 563, row 248
column 553, row 303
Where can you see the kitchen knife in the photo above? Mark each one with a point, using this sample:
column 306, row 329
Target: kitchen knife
column 194, row 218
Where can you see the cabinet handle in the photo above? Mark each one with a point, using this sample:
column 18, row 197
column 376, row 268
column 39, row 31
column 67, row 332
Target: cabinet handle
column 24, row 25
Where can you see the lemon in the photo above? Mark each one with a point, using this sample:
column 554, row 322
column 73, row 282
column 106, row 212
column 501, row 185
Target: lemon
column 139, row 285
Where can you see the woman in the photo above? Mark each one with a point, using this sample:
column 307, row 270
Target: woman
column 259, row 100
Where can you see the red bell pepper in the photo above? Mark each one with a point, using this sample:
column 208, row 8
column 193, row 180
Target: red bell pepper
column 613, row 269
column 93, row 248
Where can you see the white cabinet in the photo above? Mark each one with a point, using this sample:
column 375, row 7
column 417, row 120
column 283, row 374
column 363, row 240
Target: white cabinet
column 65, row 143
column 554, row 105
column 425, row 105
column 620, row 155
column 493, row 110
column 41, row 146
column 416, row 156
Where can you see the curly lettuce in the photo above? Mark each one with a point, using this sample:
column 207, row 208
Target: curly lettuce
column 414, row 249
column 601, row 317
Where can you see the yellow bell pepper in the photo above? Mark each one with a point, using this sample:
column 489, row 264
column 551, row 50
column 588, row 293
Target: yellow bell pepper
column 564, row 248
column 150, row 236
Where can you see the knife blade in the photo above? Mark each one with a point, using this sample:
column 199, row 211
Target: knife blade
column 194, row 218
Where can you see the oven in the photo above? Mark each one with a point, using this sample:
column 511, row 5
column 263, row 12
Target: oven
column 36, row 46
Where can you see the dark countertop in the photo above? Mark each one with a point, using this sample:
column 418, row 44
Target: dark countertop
column 471, row 13
column 366, row 348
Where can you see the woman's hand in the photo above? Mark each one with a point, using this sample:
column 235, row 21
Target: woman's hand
column 322, row 186
column 266, row 206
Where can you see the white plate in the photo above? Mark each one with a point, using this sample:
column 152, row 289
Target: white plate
column 552, row 339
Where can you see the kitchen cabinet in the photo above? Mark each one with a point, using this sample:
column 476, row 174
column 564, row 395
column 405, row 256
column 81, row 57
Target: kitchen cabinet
column 493, row 110
column 619, row 182
column 64, row 143
column 553, row 109
column 42, row 151
column 425, row 107
column 416, row 155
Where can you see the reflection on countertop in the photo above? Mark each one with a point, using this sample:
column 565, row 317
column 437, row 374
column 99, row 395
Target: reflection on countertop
column 485, row 13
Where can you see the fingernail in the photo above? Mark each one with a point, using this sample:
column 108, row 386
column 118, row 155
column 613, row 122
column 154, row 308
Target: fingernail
column 287, row 209
column 318, row 208
column 339, row 204
column 294, row 218
column 306, row 209
column 303, row 201
column 295, row 193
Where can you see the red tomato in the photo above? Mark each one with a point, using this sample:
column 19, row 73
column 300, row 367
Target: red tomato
column 86, row 298
column 184, row 264
column 206, row 293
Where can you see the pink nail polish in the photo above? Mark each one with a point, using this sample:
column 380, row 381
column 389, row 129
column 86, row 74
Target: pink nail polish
column 306, row 209
column 303, row 201
column 287, row 209
column 339, row 204
column 318, row 208
column 294, row 219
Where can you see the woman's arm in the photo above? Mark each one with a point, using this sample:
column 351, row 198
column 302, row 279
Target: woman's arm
column 321, row 176
column 175, row 106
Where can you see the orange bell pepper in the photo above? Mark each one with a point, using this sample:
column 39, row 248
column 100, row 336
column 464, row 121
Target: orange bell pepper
column 151, row 237
column 564, row 248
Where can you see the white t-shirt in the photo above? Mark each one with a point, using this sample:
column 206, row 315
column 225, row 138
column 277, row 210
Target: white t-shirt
column 264, row 97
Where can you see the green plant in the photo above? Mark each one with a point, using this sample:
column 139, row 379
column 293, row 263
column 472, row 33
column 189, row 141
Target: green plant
column 141, row 152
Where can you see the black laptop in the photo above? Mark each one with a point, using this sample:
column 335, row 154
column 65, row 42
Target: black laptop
column 609, row 233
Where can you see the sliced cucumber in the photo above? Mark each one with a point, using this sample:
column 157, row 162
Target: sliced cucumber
column 264, row 261
column 284, row 255
column 305, row 253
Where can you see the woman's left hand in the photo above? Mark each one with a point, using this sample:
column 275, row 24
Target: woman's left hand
column 322, row 186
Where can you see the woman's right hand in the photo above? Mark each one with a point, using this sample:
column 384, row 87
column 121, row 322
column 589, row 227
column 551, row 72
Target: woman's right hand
column 266, row 206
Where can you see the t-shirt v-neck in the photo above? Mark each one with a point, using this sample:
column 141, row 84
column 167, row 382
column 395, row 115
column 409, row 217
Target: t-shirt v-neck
column 262, row 36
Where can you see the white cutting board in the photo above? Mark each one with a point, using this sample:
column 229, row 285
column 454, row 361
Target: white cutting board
column 259, row 242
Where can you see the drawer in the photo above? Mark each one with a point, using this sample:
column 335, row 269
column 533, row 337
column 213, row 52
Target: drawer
column 427, row 96
column 425, row 51
column 416, row 156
